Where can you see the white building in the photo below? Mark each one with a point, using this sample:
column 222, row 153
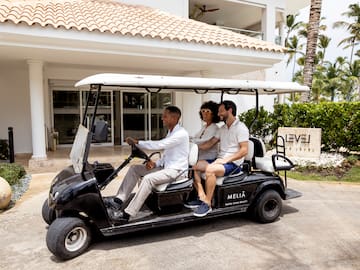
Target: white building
column 48, row 45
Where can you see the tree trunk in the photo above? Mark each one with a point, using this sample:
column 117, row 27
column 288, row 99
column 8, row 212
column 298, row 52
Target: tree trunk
column 312, row 37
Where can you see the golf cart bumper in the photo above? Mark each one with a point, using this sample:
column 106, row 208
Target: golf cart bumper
column 80, row 199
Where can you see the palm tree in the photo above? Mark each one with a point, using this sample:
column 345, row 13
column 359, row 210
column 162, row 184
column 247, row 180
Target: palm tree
column 323, row 45
column 351, row 81
column 294, row 48
column 353, row 28
column 291, row 26
column 333, row 77
column 312, row 37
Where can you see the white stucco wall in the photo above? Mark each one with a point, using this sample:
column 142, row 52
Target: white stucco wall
column 190, row 112
column 15, row 105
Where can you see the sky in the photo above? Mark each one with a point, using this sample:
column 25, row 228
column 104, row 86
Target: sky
column 331, row 10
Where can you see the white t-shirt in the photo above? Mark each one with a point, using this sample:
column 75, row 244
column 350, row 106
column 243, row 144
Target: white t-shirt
column 205, row 134
column 230, row 139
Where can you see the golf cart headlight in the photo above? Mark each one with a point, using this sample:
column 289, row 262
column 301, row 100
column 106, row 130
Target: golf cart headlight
column 55, row 195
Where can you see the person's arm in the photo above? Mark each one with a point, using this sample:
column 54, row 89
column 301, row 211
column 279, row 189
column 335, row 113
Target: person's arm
column 162, row 144
column 240, row 154
column 208, row 133
column 149, row 164
column 208, row 144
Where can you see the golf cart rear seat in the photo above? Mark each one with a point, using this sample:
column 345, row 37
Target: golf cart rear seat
column 274, row 163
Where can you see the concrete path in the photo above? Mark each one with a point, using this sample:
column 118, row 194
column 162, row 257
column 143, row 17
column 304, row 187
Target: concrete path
column 320, row 230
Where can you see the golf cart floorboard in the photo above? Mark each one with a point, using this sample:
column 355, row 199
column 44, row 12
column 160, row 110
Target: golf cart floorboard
column 291, row 194
column 155, row 221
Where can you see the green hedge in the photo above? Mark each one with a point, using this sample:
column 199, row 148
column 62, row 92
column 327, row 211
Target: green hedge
column 339, row 122
column 4, row 150
column 11, row 172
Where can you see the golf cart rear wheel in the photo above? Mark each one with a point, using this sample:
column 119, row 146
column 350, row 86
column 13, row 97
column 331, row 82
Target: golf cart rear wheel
column 68, row 237
column 268, row 206
column 48, row 213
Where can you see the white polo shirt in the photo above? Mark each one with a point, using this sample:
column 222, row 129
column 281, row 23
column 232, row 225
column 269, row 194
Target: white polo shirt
column 230, row 139
column 175, row 146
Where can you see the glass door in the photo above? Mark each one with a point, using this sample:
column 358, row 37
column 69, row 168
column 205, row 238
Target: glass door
column 135, row 115
column 66, row 111
column 159, row 101
column 103, row 131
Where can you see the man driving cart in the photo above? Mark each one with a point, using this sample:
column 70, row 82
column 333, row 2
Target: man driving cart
column 173, row 163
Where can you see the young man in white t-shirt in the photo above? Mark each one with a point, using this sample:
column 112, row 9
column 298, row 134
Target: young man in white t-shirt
column 233, row 137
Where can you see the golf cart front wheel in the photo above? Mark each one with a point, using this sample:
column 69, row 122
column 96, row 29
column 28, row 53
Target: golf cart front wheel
column 48, row 213
column 68, row 237
column 268, row 207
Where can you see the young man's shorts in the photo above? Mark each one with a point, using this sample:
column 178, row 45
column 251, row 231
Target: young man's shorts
column 230, row 167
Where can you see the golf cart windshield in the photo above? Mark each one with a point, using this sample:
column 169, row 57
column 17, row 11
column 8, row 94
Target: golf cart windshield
column 78, row 149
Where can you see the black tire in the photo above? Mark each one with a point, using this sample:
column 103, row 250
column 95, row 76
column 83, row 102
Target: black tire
column 268, row 207
column 68, row 237
column 48, row 213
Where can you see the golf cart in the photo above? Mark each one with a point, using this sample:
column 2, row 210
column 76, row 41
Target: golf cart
column 75, row 208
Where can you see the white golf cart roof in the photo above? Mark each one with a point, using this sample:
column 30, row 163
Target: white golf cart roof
column 185, row 84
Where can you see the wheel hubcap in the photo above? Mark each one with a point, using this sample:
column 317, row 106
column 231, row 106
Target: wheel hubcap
column 271, row 207
column 75, row 239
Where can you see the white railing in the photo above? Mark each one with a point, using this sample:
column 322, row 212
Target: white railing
column 254, row 34
column 250, row 33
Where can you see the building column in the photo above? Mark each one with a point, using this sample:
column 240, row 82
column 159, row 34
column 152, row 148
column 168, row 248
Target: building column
column 282, row 33
column 37, row 109
column 268, row 22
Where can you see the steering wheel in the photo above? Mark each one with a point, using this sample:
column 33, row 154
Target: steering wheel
column 137, row 152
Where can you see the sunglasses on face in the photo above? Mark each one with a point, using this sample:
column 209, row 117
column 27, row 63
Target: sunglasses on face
column 205, row 111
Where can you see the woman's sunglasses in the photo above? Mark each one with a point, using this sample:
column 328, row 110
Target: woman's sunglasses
column 205, row 111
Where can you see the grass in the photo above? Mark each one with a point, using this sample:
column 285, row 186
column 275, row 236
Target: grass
column 352, row 175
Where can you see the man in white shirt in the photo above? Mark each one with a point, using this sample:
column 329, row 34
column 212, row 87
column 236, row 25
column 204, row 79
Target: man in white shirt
column 233, row 137
column 174, row 161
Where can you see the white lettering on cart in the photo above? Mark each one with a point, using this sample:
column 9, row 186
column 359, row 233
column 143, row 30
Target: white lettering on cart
column 235, row 196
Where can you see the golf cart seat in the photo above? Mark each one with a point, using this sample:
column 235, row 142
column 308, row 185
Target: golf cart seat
column 242, row 170
column 276, row 162
column 181, row 182
column 170, row 197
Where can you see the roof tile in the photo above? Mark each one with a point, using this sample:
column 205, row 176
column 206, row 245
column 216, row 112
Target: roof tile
column 123, row 19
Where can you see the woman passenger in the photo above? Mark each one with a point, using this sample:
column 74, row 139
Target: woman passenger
column 209, row 114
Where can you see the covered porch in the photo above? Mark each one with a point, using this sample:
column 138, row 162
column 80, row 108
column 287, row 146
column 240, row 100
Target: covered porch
column 59, row 159
column 34, row 55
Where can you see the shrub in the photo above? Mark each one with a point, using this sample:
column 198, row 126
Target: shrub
column 262, row 126
column 4, row 150
column 352, row 159
column 339, row 122
column 12, row 173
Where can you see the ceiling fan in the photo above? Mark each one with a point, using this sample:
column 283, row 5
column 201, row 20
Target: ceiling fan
column 200, row 10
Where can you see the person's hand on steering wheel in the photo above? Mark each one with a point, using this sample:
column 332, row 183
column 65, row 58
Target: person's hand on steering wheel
column 131, row 141
column 150, row 164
